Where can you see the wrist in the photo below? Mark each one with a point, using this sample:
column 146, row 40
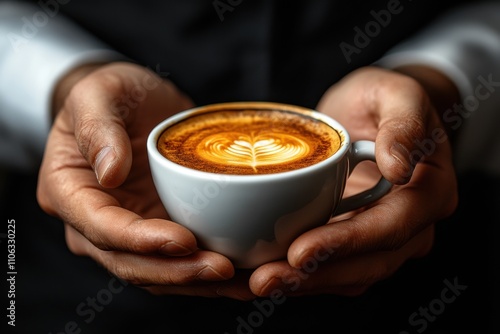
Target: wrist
column 64, row 85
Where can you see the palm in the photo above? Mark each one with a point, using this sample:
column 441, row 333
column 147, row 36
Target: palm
column 137, row 193
column 95, row 176
column 370, row 244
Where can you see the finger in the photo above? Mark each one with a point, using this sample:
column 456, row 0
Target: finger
column 130, row 233
column 234, row 288
column 387, row 225
column 151, row 270
column 97, row 214
column 93, row 111
column 207, row 291
column 145, row 270
column 390, row 108
column 404, row 113
column 99, row 130
column 346, row 277
column 111, row 227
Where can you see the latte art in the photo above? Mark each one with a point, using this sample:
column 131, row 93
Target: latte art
column 252, row 150
column 248, row 142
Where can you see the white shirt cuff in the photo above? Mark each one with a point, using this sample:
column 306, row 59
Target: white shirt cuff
column 36, row 50
column 464, row 45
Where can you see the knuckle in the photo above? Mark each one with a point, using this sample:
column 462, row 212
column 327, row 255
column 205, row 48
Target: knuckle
column 126, row 268
column 361, row 237
column 414, row 126
column 75, row 248
column 378, row 272
column 73, row 242
column 45, row 196
column 130, row 274
column 111, row 82
column 409, row 127
column 358, row 236
column 86, row 134
column 136, row 237
column 42, row 199
column 102, row 80
column 404, row 83
column 396, row 239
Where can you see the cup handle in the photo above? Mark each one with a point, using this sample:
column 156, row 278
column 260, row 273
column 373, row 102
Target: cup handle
column 360, row 151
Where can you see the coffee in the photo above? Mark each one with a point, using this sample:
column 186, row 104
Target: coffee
column 253, row 219
column 249, row 141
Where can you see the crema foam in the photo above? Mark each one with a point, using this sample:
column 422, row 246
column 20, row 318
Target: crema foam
column 248, row 141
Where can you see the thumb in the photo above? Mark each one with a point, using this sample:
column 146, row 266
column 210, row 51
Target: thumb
column 394, row 149
column 402, row 126
column 99, row 129
column 112, row 163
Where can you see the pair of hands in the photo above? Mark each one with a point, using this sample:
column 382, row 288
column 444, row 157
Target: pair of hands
column 95, row 177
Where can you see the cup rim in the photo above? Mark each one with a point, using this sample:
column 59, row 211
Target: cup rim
column 156, row 132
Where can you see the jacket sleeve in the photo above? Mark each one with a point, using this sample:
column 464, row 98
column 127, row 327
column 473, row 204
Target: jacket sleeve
column 464, row 44
column 38, row 45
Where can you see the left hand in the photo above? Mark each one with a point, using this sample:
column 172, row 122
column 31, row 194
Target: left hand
column 354, row 251
column 109, row 206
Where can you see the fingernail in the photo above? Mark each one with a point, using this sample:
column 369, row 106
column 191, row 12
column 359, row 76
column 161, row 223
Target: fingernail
column 103, row 162
column 401, row 154
column 273, row 284
column 210, row 274
column 172, row 248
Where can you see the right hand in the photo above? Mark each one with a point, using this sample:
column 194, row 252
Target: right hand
column 370, row 244
column 95, row 177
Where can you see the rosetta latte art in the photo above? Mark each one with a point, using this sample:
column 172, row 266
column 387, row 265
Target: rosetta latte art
column 248, row 142
column 252, row 150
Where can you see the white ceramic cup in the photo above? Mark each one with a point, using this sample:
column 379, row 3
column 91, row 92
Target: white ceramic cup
column 253, row 219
